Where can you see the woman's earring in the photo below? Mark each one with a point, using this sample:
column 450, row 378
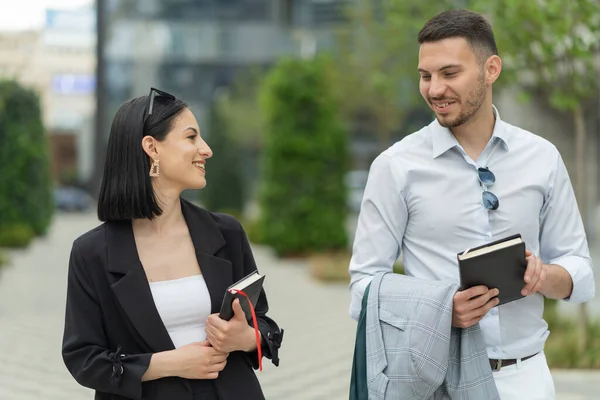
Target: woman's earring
column 155, row 169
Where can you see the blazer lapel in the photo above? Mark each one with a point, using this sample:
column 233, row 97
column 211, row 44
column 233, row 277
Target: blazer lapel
column 132, row 289
column 208, row 240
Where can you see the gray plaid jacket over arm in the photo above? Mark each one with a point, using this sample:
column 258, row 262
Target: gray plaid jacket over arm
column 413, row 352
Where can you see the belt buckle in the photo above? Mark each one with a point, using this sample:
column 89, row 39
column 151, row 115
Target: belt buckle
column 498, row 366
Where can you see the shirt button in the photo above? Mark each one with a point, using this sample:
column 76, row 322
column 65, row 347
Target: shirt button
column 494, row 311
column 496, row 350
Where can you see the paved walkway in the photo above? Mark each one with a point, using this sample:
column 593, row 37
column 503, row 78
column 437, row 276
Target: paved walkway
column 315, row 359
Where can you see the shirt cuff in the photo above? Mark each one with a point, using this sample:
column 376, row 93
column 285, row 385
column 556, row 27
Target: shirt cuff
column 357, row 292
column 580, row 270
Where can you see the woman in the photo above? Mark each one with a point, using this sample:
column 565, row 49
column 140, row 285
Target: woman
column 145, row 287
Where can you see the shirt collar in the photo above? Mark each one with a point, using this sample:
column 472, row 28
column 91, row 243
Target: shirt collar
column 444, row 140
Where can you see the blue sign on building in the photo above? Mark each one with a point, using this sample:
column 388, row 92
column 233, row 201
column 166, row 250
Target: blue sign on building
column 73, row 84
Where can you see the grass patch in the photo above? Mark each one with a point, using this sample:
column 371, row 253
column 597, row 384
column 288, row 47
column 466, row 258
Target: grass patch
column 330, row 266
column 16, row 236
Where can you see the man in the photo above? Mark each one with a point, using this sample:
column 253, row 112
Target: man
column 424, row 197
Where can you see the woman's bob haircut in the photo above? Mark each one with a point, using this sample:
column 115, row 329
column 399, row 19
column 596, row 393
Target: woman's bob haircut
column 126, row 191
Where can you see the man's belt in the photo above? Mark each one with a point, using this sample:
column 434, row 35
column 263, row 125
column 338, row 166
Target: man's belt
column 498, row 364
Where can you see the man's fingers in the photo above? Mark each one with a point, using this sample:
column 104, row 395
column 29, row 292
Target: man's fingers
column 465, row 295
column 480, row 311
column 483, row 299
column 530, row 268
column 485, row 308
column 532, row 275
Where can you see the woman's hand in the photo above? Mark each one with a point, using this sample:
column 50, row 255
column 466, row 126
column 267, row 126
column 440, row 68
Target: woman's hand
column 232, row 335
column 200, row 361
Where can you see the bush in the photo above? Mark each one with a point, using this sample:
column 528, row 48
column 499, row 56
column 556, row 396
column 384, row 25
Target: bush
column 25, row 184
column 562, row 347
column 224, row 190
column 16, row 236
column 302, row 198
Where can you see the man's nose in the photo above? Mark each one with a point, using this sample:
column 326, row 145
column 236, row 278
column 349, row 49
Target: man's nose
column 436, row 88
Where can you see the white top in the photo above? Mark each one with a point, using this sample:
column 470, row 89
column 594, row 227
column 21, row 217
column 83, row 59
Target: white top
column 423, row 197
column 184, row 306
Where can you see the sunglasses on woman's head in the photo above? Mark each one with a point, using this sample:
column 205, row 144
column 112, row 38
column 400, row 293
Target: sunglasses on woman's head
column 156, row 92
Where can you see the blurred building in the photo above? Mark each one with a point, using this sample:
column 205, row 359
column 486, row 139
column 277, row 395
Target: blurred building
column 58, row 62
column 67, row 67
column 192, row 47
column 19, row 51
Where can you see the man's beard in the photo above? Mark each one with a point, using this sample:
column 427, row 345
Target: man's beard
column 473, row 104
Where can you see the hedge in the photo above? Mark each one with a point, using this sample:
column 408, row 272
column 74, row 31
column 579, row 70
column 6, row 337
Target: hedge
column 25, row 180
column 302, row 198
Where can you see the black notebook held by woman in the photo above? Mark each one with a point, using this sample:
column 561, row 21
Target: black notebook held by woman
column 251, row 285
column 500, row 264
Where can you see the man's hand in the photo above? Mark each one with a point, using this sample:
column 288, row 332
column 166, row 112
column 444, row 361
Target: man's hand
column 535, row 274
column 472, row 304
column 232, row 335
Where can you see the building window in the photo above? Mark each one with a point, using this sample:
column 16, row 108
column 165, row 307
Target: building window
column 326, row 12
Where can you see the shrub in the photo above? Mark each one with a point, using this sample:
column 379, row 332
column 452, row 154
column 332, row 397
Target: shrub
column 224, row 190
column 19, row 235
column 562, row 347
column 302, row 198
column 25, row 184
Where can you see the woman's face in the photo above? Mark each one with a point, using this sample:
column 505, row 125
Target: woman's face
column 182, row 155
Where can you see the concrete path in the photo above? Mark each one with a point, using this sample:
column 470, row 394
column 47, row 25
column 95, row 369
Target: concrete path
column 315, row 360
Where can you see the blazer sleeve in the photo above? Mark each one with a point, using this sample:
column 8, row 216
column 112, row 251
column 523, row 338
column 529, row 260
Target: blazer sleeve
column 272, row 335
column 84, row 349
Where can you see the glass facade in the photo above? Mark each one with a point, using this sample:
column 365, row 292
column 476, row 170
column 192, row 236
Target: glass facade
column 192, row 47
column 187, row 47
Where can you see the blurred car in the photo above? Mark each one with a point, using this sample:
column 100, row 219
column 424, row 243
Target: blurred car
column 72, row 199
column 356, row 181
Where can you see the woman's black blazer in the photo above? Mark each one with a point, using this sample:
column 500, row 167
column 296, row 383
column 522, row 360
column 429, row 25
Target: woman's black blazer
column 112, row 326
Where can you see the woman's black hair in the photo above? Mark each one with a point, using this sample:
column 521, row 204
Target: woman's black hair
column 126, row 191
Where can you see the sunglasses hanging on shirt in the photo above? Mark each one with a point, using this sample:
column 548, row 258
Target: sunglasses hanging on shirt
column 487, row 178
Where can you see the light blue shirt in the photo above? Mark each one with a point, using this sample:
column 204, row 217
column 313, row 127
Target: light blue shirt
column 423, row 197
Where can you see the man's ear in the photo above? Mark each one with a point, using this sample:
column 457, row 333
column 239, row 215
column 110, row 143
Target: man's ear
column 493, row 67
column 149, row 146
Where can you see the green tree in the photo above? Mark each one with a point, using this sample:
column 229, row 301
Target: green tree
column 25, row 184
column 550, row 48
column 302, row 198
column 224, row 190
column 239, row 106
column 377, row 56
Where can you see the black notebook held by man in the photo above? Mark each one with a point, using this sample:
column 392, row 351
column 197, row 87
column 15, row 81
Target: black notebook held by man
column 251, row 285
column 500, row 264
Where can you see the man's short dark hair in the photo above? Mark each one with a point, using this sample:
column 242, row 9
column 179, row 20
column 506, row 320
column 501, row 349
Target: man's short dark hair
column 126, row 191
column 465, row 24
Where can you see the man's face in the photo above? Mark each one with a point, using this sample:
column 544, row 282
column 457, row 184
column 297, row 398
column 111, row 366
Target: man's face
column 453, row 81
